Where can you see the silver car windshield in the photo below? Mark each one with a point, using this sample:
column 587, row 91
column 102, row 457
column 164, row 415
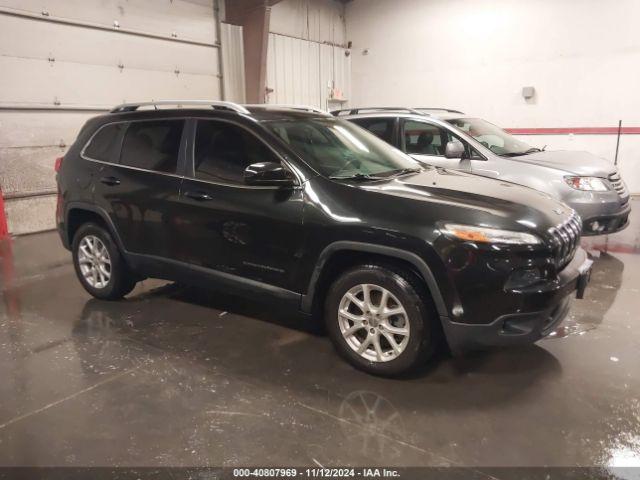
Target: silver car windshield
column 493, row 137
column 339, row 149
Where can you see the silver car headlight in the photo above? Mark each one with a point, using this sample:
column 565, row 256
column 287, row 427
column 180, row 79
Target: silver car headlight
column 472, row 233
column 589, row 184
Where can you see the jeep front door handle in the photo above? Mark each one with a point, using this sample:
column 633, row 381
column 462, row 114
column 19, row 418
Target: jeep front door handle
column 198, row 196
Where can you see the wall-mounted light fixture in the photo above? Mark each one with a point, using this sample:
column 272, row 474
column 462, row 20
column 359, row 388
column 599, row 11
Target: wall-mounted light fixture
column 528, row 92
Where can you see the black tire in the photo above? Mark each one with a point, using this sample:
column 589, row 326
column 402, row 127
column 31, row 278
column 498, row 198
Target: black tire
column 423, row 331
column 121, row 280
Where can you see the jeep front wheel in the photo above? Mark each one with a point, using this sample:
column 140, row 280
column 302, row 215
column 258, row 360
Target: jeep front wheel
column 379, row 320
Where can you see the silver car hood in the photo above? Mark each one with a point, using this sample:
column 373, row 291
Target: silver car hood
column 577, row 163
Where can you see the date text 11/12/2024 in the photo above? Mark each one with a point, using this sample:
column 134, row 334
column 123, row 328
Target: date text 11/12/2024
column 315, row 473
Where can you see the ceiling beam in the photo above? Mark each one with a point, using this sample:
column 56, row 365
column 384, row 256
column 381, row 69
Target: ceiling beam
column 236, row 11
column 254, row 16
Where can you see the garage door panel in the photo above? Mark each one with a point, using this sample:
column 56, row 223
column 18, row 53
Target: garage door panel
column 66, row 43
column 190, row 20
column 25, row 170
column 74, row 58
column 26, row 215
column 40, row 128
column 35, row 81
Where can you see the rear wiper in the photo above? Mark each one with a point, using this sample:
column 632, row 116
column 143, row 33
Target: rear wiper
column 357, row 176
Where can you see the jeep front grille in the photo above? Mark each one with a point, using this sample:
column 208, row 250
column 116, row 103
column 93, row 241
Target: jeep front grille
column 566, row 238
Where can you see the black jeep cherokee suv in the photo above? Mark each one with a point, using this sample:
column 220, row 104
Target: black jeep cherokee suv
column 304, row 208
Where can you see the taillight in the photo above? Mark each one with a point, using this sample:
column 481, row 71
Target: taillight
column 58, row 164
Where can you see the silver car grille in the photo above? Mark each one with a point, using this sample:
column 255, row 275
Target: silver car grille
column 566, row 238
column 618, row 185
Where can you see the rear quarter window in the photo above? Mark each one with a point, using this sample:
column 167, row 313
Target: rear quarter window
column 105, row 144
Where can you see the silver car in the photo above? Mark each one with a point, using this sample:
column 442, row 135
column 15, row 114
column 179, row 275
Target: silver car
column 448, row 138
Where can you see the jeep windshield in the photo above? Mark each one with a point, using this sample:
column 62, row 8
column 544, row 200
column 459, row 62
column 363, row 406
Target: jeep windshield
column 493, row 137
column 342, row 150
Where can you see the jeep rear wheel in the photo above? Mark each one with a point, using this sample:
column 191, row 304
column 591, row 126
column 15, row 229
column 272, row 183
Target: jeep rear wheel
column 379, row 320
column 99, row 265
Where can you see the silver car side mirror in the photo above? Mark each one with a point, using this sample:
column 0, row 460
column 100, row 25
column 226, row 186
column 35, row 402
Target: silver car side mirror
column 454, row 149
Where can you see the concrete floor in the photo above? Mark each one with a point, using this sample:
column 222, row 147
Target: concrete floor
column 180, row 377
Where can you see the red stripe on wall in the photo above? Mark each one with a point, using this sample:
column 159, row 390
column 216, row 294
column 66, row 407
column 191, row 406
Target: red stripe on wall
column 575, row 131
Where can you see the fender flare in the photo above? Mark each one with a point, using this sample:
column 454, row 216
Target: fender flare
column 100, row 212
column 415, row 260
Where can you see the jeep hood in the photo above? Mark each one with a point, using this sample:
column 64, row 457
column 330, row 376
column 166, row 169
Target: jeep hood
column 576, row 163
column 495, row 202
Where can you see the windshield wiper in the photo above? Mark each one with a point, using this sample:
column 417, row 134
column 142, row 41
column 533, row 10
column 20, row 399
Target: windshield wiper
column 357, row 176
column 381, row 176
column 401, row 171
column 518, row 154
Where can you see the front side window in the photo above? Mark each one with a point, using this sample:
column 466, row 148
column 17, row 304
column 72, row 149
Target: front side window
column 425, row 139
column 338, row 148
column 105, row 144
column 152, row 145
column 492, row 137
column 380, row 127
column 223, row 151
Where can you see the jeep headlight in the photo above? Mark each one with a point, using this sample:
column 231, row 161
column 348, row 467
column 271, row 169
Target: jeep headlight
column 589, row 184
column 471, row 233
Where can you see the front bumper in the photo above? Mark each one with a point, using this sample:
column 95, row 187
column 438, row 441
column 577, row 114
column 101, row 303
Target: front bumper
column 603, row 217
column 523, row 327
column 605, row 224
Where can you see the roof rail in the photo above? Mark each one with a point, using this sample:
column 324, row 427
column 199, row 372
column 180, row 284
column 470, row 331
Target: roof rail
column 132, row 107
column 354, row 111
column 439, row 109
column 306, row 108
column 415, row 111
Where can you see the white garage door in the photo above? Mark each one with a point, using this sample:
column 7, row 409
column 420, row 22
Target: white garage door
column 63, row 61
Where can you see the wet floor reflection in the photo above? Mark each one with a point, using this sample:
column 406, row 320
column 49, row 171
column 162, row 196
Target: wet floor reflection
column 371, row 424
column 283, row 381
column 588, row 313
column 303, row 377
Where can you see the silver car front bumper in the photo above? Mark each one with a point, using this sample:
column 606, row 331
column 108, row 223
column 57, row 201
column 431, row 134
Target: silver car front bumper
column 601, row 213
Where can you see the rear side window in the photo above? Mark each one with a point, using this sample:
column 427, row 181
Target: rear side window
column 105, row 144
column 223, row 151
column 152, row 145
column 381, row 128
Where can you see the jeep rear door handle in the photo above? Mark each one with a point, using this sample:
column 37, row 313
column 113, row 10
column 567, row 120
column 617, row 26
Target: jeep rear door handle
column 110, row 181
column 198, row 196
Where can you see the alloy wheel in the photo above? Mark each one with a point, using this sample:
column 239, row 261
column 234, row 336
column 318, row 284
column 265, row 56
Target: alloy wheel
column 373, row 322
column 94, row 261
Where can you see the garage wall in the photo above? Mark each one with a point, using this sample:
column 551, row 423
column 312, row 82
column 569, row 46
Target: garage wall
column 63, row 61
column 307, row 61
column 476, row 55
column 314, row 20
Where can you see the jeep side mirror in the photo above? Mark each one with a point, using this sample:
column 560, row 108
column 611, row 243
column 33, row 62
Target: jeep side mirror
column 454, row 149
column 268, row 173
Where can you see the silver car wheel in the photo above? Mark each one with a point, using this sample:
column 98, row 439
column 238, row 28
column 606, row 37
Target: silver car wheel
column 373, row 322
column 94, row 261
